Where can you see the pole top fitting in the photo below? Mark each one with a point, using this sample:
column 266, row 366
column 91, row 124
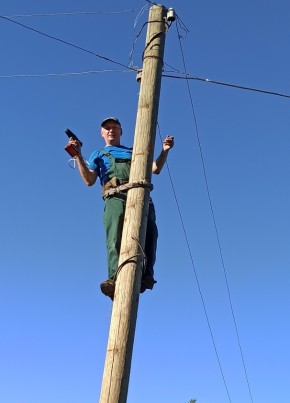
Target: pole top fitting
column 171, row 16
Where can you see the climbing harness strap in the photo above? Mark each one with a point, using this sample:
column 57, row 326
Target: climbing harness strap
column 119, row 177
column 125, row 187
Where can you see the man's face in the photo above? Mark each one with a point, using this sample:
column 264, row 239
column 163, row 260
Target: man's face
column 111, row 133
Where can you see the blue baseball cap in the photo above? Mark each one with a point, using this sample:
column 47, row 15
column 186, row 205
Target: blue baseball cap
column 111, row 118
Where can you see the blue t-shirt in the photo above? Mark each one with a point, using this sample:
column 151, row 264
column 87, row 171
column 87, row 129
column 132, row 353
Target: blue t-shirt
column 101, row 163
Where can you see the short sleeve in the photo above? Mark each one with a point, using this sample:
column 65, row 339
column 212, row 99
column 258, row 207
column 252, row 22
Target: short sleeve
column 93, row 164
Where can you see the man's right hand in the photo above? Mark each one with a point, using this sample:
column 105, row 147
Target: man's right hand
column 76, row 144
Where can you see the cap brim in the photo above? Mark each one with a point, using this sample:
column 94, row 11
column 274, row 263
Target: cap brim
column 113, row 119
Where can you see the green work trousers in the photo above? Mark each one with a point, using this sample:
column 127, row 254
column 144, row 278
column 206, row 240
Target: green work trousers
column 113, row 219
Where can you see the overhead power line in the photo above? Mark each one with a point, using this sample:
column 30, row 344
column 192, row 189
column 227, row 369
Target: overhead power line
column 181, row 76
column 152, row 2
column 80, row 73
column 65, row 42
column 241, row 87
column 196, row 278
column 216, row 228
column 206, row 182
column 68, row 14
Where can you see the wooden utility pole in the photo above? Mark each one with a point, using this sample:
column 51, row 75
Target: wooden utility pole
column 124, row 314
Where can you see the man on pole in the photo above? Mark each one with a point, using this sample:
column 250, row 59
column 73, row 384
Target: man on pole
column 112, row 165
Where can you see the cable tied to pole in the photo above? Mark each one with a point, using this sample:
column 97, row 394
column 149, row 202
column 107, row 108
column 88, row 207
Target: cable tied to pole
column 155, row 36
column 130, row 260
column 126, row 186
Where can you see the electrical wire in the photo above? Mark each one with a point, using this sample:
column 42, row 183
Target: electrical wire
column 133, row 45
column 68, row 14
column 241, row 87
column 130, row 68
column 137, row 36
column 215, row 226
column 66, row 43
column 182, row 76
column 67, row 74
column 182, row 25
column 196, row 277
column 154, row 4
column 141, row 12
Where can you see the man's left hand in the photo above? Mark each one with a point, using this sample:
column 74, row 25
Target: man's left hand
column 168, row 143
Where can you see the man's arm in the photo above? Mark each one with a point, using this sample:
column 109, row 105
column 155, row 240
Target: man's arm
column 167, row 144
column 88, row 176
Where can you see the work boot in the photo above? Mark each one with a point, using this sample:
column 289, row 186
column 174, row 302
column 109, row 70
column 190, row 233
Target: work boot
column 147, row 283
column 108, row 288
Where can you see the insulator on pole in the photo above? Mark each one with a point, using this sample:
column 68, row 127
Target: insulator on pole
column 171, row 16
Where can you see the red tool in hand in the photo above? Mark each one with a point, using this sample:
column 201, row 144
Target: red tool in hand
column 70, row 148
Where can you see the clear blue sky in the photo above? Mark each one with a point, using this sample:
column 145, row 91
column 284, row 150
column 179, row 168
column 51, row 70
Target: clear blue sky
column 54, row 320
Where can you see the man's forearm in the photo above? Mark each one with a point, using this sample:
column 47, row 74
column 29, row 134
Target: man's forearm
column 89, row 177
column 159, row 163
